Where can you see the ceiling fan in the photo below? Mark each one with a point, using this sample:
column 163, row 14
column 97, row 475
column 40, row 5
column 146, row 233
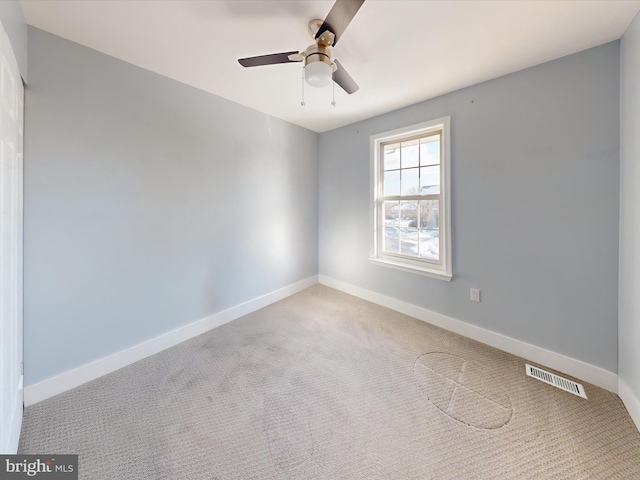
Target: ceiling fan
column 319, row 67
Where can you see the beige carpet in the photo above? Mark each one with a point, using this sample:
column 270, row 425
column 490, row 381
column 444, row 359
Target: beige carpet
column 326, row 386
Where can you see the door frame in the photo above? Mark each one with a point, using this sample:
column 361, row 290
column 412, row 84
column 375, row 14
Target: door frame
column 11, row 247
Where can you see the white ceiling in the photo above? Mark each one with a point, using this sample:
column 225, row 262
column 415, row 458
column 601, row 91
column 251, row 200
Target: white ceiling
column 399, row 52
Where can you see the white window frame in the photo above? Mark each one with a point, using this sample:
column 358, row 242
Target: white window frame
column 443, row 269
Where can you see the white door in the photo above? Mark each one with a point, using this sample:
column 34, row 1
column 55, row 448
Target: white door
column 11, row 130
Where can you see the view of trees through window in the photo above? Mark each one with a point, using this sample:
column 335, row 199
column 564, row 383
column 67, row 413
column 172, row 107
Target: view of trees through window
column 411, row 197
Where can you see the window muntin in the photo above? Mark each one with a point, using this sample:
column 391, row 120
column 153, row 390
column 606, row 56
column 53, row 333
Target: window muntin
column 411, row 199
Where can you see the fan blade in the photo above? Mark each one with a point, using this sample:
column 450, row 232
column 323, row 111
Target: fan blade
column 340, row 17
column 342, row 78
column 268, row 59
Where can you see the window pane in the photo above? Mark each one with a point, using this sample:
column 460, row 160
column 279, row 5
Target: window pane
column 430, row 150
column 429, row 214
column 391, row 213
column 409, row 241
column 390, row 241
column 409, row 181
column 430, row 244
column 392, row 156
column 392, row 183
column 410, row 154
column 408, row 216
column 429, row 230
column 430, row 180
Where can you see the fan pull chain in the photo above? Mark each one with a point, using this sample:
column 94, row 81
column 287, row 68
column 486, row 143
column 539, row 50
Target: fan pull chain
column 333, row 88
column 302, row 99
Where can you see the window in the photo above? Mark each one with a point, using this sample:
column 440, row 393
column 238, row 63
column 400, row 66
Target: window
column 411, row 199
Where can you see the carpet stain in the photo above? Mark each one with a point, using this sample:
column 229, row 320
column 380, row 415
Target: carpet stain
column 462, row 390
column 288, row 433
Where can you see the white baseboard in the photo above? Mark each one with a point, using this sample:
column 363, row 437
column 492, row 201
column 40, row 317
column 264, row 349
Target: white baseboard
column 10, row 441
column 630, row 401
column 72, row 378
column 576, row 368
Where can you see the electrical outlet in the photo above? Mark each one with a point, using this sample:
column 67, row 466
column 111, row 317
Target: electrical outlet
column 474, row 295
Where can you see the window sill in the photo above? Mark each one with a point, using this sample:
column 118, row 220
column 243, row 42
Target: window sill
column 428, row 272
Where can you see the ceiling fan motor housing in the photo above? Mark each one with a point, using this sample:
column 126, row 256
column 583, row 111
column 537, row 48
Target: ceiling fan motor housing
column 317, row 53
column 321, row 50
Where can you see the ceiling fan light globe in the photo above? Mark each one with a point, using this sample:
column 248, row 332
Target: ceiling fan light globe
column 318, row 74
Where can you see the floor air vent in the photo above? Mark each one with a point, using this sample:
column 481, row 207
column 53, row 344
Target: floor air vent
column 555, row 380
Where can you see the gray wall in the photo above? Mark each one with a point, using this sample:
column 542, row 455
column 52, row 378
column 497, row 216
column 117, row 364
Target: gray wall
column 14, row 24
column 629, row 320
column 150, row 204
column 535, row 179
